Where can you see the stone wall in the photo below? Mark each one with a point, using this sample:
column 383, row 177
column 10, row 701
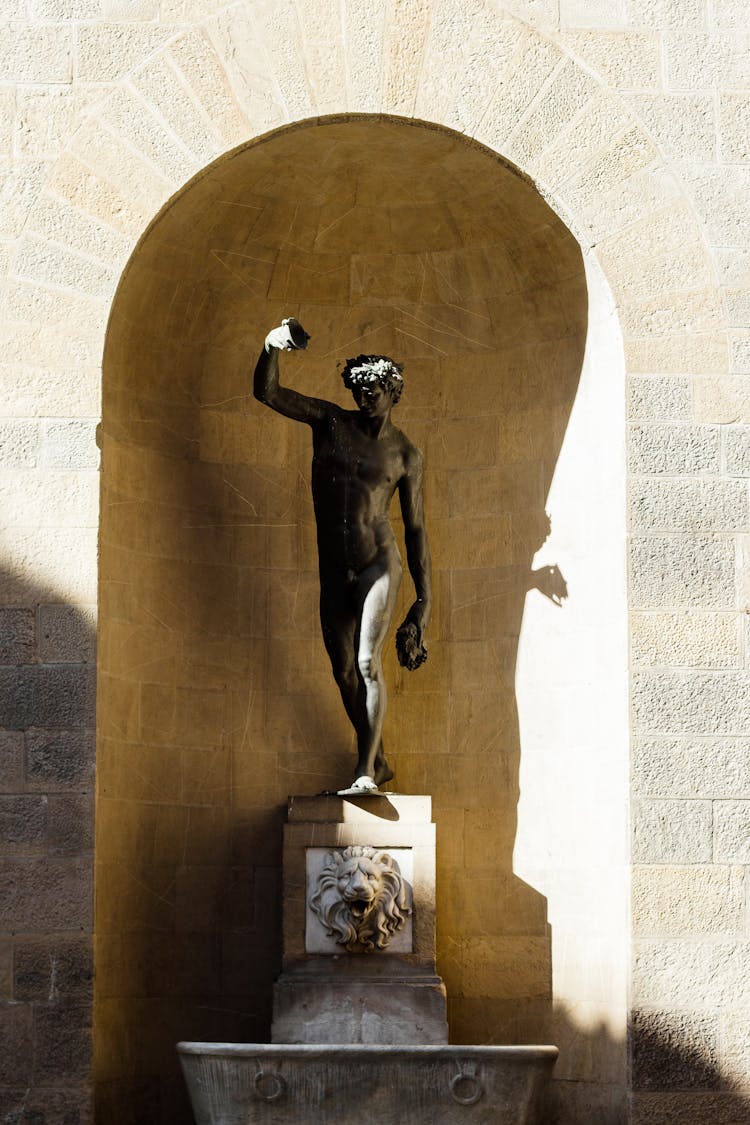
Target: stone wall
column 631, row 117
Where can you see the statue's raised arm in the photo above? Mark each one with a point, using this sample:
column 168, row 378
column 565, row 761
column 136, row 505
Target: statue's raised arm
column 289, row 336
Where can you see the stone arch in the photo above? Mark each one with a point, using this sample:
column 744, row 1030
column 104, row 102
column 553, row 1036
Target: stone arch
column 390, row 236
column 250, row 69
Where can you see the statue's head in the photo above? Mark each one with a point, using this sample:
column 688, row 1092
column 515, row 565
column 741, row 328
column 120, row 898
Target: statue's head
column 361, row 898
column 373, row 379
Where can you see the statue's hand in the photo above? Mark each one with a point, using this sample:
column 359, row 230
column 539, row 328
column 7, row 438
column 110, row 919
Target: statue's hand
column 410, row 646
column 548, row 580
column 288, row 337
column 418, row 615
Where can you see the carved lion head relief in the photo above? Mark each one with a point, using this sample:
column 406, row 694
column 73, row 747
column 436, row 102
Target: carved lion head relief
column 361, row 898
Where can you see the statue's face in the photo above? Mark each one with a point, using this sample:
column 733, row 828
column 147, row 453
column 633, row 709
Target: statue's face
column 372, row 399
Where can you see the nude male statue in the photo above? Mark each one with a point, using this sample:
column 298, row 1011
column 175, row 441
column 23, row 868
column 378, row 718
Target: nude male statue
column 359, row 460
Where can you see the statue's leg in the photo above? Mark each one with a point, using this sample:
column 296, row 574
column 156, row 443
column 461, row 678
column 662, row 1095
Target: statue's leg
column 339, row 625
column 378, row 588
column 338, row 622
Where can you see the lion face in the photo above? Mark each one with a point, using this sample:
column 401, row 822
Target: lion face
column 361, row 898
column 360, row 884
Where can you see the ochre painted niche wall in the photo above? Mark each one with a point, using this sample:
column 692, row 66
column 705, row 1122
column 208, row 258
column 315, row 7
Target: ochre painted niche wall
column 215, row 696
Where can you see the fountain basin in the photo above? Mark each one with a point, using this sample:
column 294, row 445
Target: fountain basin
column 339, row 1084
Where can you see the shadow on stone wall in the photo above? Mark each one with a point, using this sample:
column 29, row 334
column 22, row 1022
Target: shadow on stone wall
column 675, row 1076
column 46, row 854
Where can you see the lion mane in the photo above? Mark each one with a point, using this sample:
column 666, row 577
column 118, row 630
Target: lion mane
column 361, row 898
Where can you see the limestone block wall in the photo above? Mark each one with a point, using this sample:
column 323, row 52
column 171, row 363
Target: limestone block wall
column 631, row 118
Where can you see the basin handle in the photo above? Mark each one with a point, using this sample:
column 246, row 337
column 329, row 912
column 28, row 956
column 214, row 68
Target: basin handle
column 269, row 1086
column 465, row 1087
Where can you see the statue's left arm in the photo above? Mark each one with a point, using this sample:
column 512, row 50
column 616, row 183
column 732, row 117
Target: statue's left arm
column 415, row 534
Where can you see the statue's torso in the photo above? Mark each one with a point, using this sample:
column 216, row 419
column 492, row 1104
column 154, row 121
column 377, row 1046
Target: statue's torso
column 354, row 477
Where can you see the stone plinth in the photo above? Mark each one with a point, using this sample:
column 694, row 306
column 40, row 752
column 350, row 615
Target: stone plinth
column 359, row 924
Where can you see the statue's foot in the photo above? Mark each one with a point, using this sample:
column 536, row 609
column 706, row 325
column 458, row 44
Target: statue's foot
column 383, row 772
column 361, row 786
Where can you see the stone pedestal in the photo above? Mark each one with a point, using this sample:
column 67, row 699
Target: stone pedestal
column 359, row 924
column 359, row 1030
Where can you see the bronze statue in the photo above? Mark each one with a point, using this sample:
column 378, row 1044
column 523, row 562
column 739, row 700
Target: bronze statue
column 359, row 460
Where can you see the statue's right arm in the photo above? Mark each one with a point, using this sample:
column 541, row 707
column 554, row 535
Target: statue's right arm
column 266, row 389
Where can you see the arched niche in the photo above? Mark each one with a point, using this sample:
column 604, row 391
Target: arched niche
column 215, row 696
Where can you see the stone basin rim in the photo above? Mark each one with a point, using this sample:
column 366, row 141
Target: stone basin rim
column 511, row 1053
